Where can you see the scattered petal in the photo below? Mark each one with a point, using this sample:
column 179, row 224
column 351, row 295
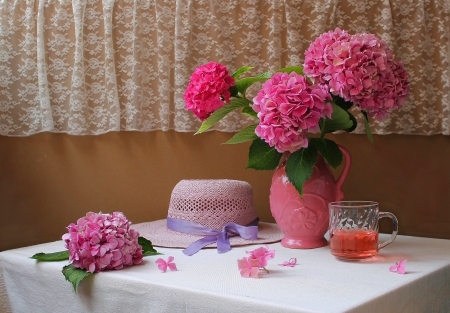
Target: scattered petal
column 291, row 263
column 399, row 267
column 163, row 265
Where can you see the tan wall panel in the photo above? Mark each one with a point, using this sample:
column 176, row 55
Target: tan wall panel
column 49, row 180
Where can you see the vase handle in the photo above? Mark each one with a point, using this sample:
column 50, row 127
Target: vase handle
column 341, row 179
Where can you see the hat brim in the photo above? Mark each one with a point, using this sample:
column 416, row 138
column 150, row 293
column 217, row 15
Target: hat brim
column 160, row 236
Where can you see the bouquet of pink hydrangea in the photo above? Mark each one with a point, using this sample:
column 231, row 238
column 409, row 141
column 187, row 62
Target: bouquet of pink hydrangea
column 360, row 69
column 340, row 71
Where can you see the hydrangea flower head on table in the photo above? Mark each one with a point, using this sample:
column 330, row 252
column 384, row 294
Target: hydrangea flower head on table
column 298, row 105
column 98, row 242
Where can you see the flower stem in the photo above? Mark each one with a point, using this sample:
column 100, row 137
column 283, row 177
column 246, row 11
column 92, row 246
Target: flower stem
column 322, row 128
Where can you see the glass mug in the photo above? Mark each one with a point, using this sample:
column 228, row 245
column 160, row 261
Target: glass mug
column 354, row 229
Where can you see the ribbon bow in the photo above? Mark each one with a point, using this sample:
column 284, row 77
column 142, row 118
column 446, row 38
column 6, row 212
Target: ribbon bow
column 249, row 232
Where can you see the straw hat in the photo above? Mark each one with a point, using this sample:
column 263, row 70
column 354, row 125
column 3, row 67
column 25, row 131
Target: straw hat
column 208, row 204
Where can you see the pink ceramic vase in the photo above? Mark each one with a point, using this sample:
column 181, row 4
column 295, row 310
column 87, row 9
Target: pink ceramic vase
column 304, row 221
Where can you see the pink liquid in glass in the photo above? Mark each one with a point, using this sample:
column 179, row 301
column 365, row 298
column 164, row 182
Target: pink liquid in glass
column 354, row 244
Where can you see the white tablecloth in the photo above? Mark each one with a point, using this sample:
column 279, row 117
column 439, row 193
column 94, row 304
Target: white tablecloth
column 210, row 282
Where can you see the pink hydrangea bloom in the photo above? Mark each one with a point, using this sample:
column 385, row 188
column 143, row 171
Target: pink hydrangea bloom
column 262, row 254
column 358, row 68
column 319, row 58
column 102, row 241
column 288, row 107
column 248, row 267
column 207, row 90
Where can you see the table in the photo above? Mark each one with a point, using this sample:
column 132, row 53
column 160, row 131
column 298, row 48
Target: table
column 210, row 282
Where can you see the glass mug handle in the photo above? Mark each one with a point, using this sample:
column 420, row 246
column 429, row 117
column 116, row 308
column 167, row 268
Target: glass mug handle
column 394, row 230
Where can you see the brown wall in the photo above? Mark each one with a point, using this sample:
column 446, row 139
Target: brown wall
column 49, row 180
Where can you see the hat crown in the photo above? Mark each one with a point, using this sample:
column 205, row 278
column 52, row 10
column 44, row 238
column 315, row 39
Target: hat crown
column 213, row 202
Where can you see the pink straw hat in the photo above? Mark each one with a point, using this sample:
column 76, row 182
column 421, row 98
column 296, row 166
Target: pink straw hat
column 210, row 213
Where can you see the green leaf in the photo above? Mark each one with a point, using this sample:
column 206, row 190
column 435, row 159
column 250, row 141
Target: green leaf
column 263, row 157
column 221, row 113
column 355, row 123
column 339, row 120
column 345, row 105
column 241, row 71
column 329, row 150
column 250, row 112
column 265, row 74
column 74, row 275
column 233, row 91
column 290, row 69
column 52, row 257
column 147, row 247
column 299, row 167
column 366, row 124
column 243, row 84
column 244, row 135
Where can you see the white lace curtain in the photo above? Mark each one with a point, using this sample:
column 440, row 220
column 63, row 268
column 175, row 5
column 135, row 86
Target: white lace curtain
column 91, row 66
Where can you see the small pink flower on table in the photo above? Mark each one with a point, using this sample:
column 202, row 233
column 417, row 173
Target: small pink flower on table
column 163, row 265
column 399, row 267
column 248, row 267
column 262, row 254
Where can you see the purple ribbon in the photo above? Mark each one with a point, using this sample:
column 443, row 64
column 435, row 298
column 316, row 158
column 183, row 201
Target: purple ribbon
column 249, row 232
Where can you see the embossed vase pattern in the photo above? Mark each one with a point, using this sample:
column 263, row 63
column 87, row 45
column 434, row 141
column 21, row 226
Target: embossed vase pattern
column 304, row 220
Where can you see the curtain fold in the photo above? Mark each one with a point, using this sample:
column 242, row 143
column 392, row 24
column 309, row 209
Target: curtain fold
column 87, row 67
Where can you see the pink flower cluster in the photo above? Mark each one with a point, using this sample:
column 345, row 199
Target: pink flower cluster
column 208, row 89
column 359, row 68
column 249, row 266
column 102, row 241
column 288, row 107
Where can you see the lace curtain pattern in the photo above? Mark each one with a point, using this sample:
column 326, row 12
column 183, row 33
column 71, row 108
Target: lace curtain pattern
column 86, row 67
